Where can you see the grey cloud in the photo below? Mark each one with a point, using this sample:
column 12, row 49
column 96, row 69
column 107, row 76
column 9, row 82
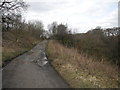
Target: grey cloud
column 39, row 7
column 45, row 6
column 87, row 14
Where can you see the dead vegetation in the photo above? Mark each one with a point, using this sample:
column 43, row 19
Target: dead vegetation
column 79, row 70
column 15, row 43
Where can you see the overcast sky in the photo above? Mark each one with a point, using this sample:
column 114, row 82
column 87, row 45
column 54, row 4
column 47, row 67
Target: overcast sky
column 80, row 15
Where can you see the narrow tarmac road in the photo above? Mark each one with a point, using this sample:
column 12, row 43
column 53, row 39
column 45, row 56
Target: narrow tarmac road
column 32, row 70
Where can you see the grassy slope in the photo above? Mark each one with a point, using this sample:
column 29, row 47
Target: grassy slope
column 80, row 71
column 15, row 43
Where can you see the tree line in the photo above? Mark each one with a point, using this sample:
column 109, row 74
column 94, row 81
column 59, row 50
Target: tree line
column 100, row 43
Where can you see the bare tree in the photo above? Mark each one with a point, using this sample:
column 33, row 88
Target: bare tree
column 62, row 29
column 53, row 28
column 11, row 12
column 35, row 28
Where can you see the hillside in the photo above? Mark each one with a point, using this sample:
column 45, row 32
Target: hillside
column 15, row 43
column 80, row 71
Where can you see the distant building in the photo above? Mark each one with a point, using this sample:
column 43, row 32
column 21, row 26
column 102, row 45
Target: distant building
column 112, row 31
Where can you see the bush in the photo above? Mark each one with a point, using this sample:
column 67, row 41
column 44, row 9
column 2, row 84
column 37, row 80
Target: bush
column 96, row 44
column 66, row 40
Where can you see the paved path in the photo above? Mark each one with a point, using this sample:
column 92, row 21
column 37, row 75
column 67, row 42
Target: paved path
column 32, row 70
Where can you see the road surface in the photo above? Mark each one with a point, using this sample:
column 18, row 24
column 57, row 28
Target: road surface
column 32, row 70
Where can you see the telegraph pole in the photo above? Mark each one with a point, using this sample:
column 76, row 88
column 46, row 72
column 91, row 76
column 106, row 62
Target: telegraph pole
column 119, row 14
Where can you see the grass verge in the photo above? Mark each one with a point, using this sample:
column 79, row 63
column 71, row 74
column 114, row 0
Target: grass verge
column 80, row 71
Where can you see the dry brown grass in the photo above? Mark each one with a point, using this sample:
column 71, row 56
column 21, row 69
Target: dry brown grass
column 15, row 43
column 80, row 71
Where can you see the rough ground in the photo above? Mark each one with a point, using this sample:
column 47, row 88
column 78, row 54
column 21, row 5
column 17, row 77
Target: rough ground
column 32, row 70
